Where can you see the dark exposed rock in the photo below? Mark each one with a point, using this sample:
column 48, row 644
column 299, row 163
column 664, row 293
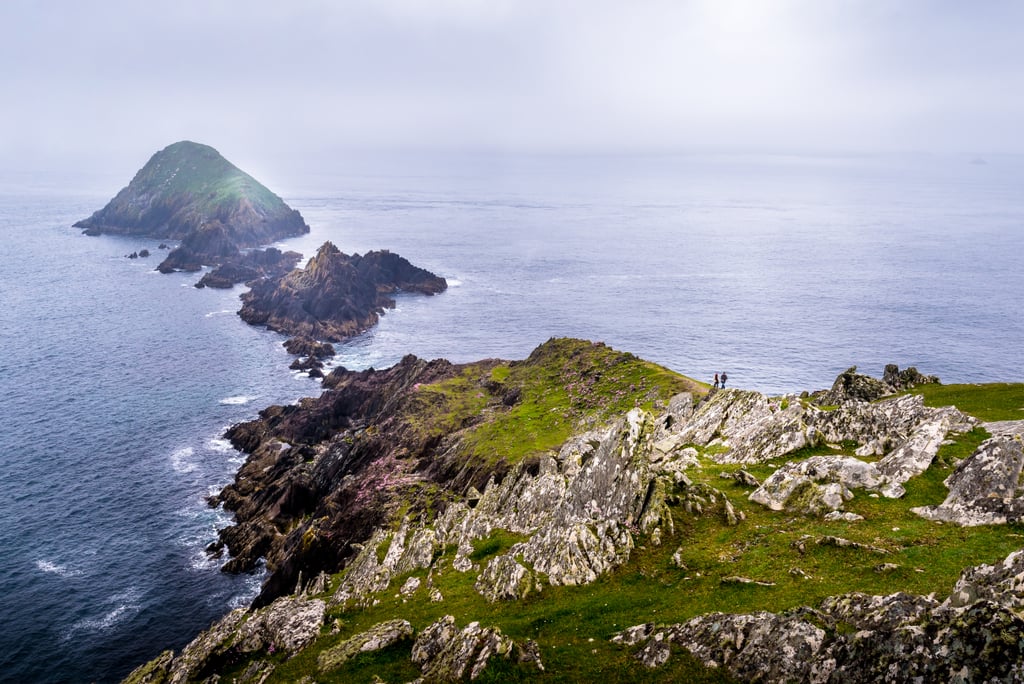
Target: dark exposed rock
column 853, row 386
column 143, row 253
column 306, row 346
column 906, row 379
column 336, row 296
column 245, row 268
column 208, row 244
column 315, row 483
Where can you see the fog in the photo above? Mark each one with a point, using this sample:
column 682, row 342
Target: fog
column 105, row 84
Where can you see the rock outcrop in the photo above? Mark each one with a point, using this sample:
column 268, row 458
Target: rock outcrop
column 985, row 489
column 975, row 635
column 245, row 268
column 336, row 296
column 286, row 625
column 189, row 192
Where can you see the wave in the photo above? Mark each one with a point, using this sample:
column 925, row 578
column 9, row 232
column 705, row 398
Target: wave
column 57, row 569
column 239, row 400
column 218, row 313
column 220, row 445
column 121, row 606
column 453, row 282
column 251, row 588
column 181, row 460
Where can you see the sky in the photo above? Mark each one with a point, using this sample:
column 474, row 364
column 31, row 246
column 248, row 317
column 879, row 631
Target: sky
column 109, row 82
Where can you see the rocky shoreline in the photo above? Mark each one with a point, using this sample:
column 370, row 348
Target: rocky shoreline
column 355, row 482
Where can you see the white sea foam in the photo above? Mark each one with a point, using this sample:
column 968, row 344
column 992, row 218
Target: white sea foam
column 251, row 588
column 236, row 400
column 218, row 313
column 119, row 607
column 57, row 569
column 454, row 282
column 181, row 460
column 220, row 445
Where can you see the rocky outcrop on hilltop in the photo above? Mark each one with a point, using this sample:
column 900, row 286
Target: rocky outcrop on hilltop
column 975, row 635
column 189, row 192
column 336, row 296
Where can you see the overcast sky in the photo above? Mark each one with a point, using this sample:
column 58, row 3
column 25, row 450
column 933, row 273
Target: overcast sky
column 105, row 81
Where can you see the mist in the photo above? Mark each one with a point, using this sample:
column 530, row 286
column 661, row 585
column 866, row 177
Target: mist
column 105, row 84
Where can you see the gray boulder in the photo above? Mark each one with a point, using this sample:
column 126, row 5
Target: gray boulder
column 985, row 489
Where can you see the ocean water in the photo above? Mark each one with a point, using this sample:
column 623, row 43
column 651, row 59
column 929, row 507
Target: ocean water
column 117, row 382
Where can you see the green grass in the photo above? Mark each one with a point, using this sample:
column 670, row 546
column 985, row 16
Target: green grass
column 989, row 402
column 512, row 410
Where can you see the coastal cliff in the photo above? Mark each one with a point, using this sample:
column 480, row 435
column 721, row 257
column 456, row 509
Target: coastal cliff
column 189, row 192
column 583, row 513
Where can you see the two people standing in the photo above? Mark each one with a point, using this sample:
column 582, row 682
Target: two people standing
column 720, row 381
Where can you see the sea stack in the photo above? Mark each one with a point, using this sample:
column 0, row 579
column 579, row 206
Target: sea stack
column 189, row 192
column 336, row 296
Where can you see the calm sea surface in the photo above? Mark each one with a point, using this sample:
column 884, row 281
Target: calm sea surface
column 117, row 382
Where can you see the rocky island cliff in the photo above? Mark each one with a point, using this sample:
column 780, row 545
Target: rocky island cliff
column 336, row 296
column 189, row 192
column 583, row 514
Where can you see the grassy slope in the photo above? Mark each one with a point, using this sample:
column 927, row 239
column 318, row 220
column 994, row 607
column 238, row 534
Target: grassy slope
column 188, row 168
column 573, row 624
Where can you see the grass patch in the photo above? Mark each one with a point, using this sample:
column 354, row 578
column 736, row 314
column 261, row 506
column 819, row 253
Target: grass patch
column 507, row 411
column 989, row 402
column 496, row 544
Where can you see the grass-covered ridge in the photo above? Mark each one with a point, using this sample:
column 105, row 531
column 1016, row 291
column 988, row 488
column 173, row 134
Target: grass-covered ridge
column 511, row 410
column 200, row 171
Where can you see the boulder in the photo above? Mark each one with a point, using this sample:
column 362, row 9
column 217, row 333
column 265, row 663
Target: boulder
column 985, row 489
column 820, row 484
column 380, row 636
column 853, row 386
column 445, row 653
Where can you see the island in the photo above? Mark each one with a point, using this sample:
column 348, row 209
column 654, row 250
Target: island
column 189, row 192
column 583, row 514
column 336, row 296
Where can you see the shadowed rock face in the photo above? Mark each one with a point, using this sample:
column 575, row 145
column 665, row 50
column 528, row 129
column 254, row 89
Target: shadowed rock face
column 183, row 189
column 336, row 296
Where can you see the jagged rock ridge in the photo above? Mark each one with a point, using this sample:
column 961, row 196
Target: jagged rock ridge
column 336, row 296
column 189, row 192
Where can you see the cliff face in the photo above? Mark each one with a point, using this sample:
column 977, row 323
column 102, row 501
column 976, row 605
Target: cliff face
column 550, row 503
column 186, row 187
column 336, row 296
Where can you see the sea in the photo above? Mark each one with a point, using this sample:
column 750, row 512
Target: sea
column 117, row 382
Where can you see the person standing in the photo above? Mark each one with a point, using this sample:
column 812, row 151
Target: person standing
column 724, row 378
column 716, row 380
